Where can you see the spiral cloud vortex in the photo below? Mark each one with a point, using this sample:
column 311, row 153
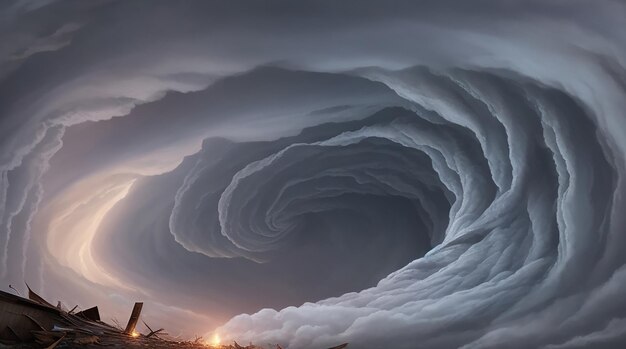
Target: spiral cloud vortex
column 411, row 174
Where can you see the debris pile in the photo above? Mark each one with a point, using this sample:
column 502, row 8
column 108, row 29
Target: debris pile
column 25, row 323
column 34, row 323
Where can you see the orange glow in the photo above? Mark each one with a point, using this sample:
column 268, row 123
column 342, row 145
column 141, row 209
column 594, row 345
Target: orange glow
column 216, row 340
column 135, row 334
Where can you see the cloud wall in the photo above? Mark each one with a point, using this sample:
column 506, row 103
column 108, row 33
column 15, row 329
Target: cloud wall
column 432, row 174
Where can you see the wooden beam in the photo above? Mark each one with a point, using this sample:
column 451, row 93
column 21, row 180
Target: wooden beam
column 134, row 318
column 91, row 314
column 37, row 298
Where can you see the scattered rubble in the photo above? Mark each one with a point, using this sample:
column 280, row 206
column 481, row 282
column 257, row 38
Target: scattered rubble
column 34, row 323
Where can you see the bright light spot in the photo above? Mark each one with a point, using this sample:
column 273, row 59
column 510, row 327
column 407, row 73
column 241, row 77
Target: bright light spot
column 216, row 340
column 135, row 334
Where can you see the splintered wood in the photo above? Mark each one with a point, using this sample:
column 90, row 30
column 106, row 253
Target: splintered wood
column 134, row 318
column 35, row 323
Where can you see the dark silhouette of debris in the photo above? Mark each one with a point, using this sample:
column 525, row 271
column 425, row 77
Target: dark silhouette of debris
column 341, row 346
column 134, row 318
column 35, row 323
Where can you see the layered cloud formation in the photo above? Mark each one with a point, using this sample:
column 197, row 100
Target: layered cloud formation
column 432, row 174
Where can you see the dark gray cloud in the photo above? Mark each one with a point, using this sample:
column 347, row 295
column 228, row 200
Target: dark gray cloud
column 444, row 173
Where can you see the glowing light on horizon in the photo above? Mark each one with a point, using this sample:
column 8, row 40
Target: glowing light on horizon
column 216, row 340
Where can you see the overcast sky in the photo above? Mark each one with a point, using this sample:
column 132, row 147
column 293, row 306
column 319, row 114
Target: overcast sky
column 436, row 174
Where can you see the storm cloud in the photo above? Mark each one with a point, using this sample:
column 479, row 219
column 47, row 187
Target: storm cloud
column 415, row 174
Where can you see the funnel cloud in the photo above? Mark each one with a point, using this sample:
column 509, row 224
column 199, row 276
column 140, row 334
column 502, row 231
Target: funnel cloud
column 415, row 174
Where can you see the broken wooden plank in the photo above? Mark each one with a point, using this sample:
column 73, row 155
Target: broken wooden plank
column 134, row 318
column 53, row 345
column 340, row 346
column 35, row 322
column 37, row 298
column 153, row 332
column 90, row 314
column 46, row 337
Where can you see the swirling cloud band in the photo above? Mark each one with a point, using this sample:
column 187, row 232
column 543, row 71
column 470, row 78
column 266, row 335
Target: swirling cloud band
column 424, row 175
